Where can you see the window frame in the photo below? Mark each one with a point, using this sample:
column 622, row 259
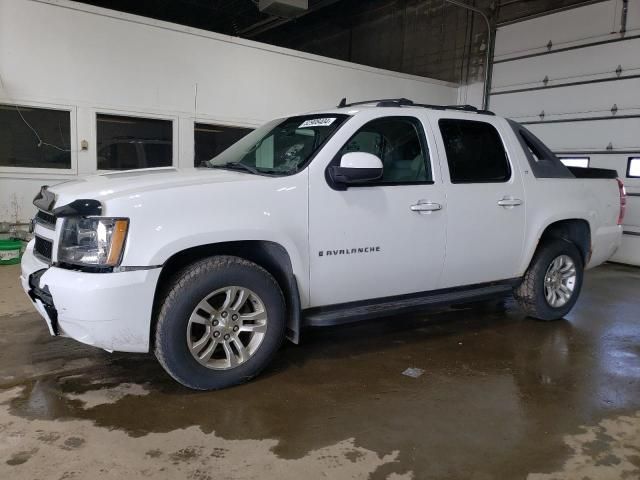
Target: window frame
column 175, row 134
column 445, row 156
column 424, row 145
column 588, row 159
column 629, row 161
column 73, row 141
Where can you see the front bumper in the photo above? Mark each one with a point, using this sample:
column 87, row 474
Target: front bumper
column 107, row 310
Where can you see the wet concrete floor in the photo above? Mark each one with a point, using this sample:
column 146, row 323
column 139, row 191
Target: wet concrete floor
column 501, row 397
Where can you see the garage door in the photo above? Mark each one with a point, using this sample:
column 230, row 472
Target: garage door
column 573, row 77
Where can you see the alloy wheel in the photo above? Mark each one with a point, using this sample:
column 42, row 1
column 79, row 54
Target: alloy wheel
column 227, row 327
column 560, row 281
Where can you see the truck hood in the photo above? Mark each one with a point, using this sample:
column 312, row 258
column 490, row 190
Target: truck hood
column 106, row 186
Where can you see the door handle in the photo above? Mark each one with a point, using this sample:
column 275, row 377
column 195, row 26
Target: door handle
column 426, row 207
column 509, row 202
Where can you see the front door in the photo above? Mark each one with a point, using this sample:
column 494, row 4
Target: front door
column 384, row 238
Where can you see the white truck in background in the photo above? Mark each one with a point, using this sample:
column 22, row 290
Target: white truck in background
column 370, row 209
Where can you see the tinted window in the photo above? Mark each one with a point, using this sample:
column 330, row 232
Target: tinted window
column 126, row 143
column 397, row 142
column 121, row 154
column 160, row 152
column 475, row 153
column 34, row 137
column 210, row 140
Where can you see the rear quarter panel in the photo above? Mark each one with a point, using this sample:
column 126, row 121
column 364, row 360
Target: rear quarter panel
column 550, row 200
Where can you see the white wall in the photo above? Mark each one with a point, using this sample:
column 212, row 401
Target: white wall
column 88, row 59
column 582, row 84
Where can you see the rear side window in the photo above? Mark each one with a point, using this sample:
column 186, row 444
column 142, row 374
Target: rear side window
column 475, row 152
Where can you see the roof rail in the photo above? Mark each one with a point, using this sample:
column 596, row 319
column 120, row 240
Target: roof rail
column 405, row 102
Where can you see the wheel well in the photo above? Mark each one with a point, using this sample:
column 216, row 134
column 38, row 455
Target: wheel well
column 271, row 256
column 575, row 231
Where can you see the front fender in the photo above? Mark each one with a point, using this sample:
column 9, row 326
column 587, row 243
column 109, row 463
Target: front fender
column 164, row 223
column 177, row 245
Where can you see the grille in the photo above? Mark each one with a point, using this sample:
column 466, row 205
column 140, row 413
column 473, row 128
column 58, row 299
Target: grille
column 43, row 248
column 46, row 219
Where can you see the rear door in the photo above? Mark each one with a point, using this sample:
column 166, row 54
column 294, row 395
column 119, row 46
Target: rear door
column 485, row 200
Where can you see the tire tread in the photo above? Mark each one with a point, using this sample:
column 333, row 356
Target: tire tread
column 526, row 294
column 187, row 275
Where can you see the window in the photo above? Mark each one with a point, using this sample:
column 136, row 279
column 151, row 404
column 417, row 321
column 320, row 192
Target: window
column 475, row 153
column 35, row 137
column 397, row 141
column 280, row 147
column 633, row 167
column 210, row 140
column 582, row 162
column 126, row 143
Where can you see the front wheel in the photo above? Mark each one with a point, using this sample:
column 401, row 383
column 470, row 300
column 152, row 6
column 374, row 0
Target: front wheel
column 220, row 324
column 552, row 283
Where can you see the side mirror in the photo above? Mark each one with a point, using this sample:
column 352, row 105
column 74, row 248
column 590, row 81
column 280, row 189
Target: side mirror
column 357, row 167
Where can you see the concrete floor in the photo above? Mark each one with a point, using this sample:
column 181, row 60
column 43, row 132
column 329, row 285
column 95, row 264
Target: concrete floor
column 502, row 397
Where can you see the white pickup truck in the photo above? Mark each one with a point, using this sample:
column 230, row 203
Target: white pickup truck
column 370, row 209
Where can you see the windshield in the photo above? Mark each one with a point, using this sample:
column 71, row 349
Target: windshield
column 280, row 147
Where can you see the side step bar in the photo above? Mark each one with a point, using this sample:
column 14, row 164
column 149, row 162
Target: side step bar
column 356, row 311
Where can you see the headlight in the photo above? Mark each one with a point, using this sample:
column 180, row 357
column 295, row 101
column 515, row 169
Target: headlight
column 93, row 241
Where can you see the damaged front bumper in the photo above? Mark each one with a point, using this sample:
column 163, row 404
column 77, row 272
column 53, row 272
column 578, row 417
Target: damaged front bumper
column 43, row 301
column 111, row 311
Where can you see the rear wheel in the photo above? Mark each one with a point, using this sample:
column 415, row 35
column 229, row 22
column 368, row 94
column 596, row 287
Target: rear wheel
column 220, row 324
column 552, row 283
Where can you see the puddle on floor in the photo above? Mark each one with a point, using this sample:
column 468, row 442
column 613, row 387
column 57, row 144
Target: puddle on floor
column 500, row 396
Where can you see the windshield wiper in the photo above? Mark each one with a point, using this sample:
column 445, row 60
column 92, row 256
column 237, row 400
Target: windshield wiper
column 238, row 166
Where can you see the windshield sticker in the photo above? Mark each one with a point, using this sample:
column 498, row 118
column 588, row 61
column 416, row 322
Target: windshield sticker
column 317, row 122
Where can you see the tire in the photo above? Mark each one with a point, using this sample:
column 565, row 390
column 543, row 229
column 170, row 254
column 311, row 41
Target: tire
column 185, row 315
column 531, row 294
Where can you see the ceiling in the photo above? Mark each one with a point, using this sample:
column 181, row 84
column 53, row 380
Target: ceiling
column 429, row 38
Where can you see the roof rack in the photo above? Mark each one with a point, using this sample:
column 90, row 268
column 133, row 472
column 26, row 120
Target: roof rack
column 405, row 102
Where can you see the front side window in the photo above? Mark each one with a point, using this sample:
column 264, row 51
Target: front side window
column 35, row 137
column 281, row 147
column 475, row 153
column 397, row 141
column 126, row 143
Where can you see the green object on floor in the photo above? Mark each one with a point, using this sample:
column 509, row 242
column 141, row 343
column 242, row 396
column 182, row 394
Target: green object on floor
column 10, row 252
